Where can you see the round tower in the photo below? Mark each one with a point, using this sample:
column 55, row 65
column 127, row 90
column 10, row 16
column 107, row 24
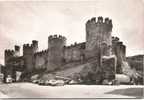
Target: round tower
column 28, row 56
column 55, row 51
column 98, row 37
column 8, row 54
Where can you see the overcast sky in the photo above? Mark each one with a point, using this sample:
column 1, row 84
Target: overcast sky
column 21, row 22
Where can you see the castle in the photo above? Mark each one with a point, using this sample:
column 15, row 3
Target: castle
column 99, row 43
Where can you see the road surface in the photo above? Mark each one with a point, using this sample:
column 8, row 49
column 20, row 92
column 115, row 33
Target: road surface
column 30, row 90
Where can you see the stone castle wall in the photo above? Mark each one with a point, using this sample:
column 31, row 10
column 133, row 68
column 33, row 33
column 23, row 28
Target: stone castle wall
column 70, row 54
column 74, row 52
column 98, row 41
column 41, row 60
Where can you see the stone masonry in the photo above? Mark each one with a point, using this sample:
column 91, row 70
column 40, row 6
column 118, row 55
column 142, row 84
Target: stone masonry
column 99, row 43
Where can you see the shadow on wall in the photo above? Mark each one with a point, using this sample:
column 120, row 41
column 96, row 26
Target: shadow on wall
column 135, row 92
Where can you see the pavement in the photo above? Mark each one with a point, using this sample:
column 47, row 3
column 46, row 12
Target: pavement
column 30, row 90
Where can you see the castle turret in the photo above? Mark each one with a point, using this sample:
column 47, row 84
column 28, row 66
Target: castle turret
column 27, row 49
column 8, row 54
column 35, row 46
column 98, row 37
column 56, row 51
column 118, row 49
column 17, row 50
column 28, row 52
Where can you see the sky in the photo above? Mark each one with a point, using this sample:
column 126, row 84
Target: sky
column 21, row 22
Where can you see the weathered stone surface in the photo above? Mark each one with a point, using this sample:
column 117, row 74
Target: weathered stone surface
column 74, row 52
column 56, row 51
column 118, row 49
column 109, row 67
column 97, row 33
column 92, row 73
column 99, row 43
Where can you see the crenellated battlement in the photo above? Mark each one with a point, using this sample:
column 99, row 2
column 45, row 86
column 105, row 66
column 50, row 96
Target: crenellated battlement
column 31, row 46
column 60, row 37
column 77, row 45
column 120, row 43
column 34, row 42
column 56, row 41
column 41, row 53
column 9, row 52
column 117, row 41
column 115, row 38
column 28, row 49
column 27, row 46
column 105, row 23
